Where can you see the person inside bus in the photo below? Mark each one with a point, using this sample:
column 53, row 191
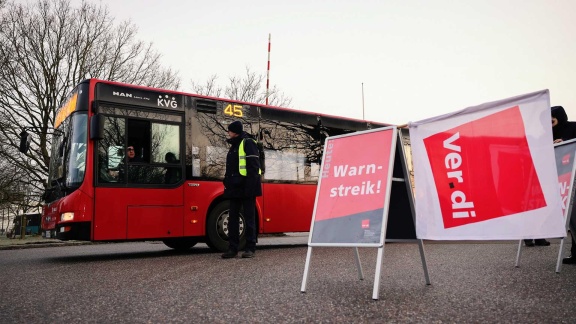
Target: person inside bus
column 242, row 184
column 173, row 173
column 131, row 153
column 132, row 157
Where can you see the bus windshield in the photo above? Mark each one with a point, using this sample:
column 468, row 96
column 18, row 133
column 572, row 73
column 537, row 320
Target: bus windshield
column 68, row 157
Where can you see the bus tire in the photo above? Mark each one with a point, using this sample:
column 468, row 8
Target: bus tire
column 217, row 228
column 180, row 243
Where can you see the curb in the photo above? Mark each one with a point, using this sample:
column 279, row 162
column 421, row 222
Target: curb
column 268, row 239
column 41, row 245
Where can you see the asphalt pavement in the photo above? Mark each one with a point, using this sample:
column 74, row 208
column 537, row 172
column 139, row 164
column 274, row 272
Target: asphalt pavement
column 146, row 282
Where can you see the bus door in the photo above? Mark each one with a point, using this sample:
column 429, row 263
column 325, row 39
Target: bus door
column 139, row 178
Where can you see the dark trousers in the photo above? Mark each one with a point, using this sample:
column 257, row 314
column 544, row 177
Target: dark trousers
column 249, row 205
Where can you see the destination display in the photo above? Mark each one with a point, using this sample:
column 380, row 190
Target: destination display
column 138, row 97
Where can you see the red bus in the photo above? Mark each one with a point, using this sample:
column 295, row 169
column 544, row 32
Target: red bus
column 172, row 190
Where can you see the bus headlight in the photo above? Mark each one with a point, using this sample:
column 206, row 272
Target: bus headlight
column 67, row 216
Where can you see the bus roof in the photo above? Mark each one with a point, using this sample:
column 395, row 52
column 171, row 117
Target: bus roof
column 94, row 80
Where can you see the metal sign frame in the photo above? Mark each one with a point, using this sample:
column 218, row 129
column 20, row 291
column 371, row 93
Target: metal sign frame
column 396, row 138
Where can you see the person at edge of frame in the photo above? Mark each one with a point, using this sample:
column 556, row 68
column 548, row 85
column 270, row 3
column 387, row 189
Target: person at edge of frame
column 242, row 184
column 563, row 130
column 560, row 128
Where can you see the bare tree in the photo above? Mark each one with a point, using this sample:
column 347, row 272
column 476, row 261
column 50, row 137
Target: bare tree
column 46, row 48
column 249, row 88
column 9, row 183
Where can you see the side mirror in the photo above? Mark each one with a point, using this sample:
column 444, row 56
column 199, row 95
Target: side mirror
column 61, row 147
column 97, row 127
column 24, row 141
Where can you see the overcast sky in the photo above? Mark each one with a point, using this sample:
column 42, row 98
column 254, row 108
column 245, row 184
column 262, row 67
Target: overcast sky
column 416, row 58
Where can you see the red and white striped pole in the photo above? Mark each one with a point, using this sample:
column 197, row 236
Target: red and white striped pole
column 268, row 70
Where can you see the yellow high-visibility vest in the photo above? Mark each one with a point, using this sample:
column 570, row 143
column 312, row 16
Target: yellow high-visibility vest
column 242, row 159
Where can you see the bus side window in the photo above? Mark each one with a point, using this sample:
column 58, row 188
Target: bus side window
column 110, row 150
column 291, row 151
column 166, row 150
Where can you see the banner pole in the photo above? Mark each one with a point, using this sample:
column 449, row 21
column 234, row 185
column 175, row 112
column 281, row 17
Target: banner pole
column 518, row 254
column 424, row 264
column 358, row 265
column 376, row 289
column 306, row 267
column 408, row 182
column 560, row 255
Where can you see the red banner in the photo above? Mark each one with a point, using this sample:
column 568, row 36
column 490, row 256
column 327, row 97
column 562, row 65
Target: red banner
column 483, row 169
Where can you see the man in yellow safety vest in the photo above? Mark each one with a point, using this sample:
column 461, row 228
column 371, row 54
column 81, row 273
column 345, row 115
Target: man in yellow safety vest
column 242, row 184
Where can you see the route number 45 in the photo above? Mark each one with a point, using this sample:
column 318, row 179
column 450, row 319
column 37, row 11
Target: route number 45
column 233, row 110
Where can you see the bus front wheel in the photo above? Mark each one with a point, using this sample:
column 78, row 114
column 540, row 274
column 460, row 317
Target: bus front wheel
column 180, row 243
column 217, row 228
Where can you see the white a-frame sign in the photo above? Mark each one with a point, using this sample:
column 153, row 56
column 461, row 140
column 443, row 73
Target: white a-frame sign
column 565, row 156
column 364, row 197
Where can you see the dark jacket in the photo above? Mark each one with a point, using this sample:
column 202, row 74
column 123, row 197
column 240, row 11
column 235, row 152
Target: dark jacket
column 565, row 129
column 236, row 185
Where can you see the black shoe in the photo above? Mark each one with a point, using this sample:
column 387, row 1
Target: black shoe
column 248, row 254
column 528, row 242
column 569, row 260
column 541, row 242
column 229, row 255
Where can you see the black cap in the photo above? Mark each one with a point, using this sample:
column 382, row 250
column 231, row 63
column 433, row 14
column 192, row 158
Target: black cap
column 236, row 127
